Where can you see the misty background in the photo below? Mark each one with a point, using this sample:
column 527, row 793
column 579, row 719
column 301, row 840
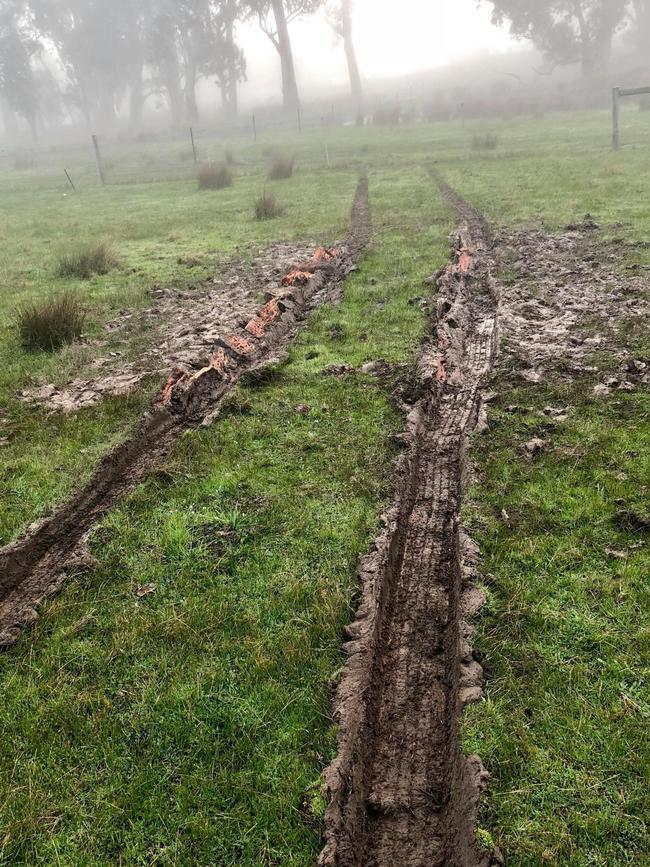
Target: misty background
column 132, row 66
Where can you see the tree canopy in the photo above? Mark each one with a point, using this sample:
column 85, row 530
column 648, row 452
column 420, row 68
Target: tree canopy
column 567, row 31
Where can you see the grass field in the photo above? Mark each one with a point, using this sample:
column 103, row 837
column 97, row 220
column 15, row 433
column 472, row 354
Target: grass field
column 190, row 726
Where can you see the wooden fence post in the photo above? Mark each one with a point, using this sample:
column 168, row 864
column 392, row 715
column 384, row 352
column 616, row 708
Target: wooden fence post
column 193, row 145
column 67, row 174
column 616, row 118
column 98, row 157
column 254, row 129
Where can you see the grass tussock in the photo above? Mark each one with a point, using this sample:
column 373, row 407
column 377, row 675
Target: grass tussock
column 487, row 142
column 267, row 207
column 48, row 324
column 85, row 262
column 214, row 177
column 281, row 168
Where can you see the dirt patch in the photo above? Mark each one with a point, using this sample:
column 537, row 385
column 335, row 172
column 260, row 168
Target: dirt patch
column 183, row 328
column 566, row 298
column 35, row 565
column 400, row 792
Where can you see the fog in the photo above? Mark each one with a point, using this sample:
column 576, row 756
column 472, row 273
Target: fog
column 387, row 46
column 130, row 65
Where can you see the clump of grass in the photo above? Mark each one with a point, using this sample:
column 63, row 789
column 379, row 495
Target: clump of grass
column 281, row 168
column 50, row 323
column 86, row 261
column 267, row 207
column 488, row 142
column 214, row 177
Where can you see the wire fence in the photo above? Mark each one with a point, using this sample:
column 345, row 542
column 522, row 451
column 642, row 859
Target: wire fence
column 149, row 157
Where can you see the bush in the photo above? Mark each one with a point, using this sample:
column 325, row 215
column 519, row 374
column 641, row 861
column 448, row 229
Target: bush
column 213, row 177
column 50, row 323
column 281, row 168
column 487, row 142
column 267, row 207
column 86, row 261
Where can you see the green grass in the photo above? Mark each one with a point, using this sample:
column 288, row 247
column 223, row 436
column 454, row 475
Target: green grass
column 151, row 227
column 188, row 726
column 566, row 638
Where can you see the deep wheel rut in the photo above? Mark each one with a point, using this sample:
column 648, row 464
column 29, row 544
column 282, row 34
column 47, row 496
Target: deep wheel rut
column 34, row 566
column 401, row 794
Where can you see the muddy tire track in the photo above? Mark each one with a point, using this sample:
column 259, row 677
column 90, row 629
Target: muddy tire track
column 400, row 792
column 34, row 566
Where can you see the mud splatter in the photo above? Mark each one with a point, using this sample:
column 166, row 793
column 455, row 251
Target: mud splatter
column 565, row 299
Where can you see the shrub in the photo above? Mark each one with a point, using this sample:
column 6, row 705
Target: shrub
column 267, row 207
column 86, row 261
column 214, row 177
column 230, row 157
column 486, row 142
column 50, row 323
column 281, row 168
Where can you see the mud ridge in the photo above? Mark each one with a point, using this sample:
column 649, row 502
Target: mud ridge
column 400, row 792
column 34, row 566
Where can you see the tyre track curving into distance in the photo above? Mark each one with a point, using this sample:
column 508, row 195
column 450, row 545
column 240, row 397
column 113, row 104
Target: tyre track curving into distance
column 400, row 792
column 34, row 566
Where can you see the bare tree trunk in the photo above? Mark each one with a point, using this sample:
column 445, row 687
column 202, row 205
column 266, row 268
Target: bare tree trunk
column 351, row 56
column 171, row 78
column 30, row 117
column 191, row 107
column 231, row 103
column 642, row 13
column 9, row 119
column 289, row 83
column 136, row 98
column 107, row 118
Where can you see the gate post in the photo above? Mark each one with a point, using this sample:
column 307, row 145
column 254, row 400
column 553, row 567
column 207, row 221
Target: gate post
column 616, row 116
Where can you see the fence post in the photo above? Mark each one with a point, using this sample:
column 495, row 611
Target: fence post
column 100, row 165
column 299, row 120
column 616, row 117
column 67, row 174
column 193, row 145
column 254, row 129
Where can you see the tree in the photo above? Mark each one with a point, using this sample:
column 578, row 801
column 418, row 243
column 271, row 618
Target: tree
column 567, row 31
column 163, row 57
column 229, row 60
column 274, row 17
column 341, row 22
column 642, row 26
column 93, row 48
column 18, row 83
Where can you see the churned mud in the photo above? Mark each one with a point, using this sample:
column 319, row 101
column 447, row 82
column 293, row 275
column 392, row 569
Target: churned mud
column 183, row 327
column 567, row 298
column 34, row 566
column 400, row 791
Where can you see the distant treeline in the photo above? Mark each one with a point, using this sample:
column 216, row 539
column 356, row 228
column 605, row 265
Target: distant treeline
column 92, row 60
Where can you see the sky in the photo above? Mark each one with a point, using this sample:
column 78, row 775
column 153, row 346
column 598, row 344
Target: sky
column 424, row 34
